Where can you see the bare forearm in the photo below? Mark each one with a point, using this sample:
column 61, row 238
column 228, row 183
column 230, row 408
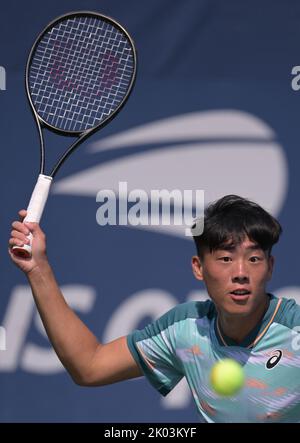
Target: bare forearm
column 73, row 342
column 89, row 362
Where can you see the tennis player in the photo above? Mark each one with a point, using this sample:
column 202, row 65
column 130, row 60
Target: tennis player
column 240, row 321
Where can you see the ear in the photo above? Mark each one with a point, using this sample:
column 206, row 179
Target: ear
column 271, row 261
column 197, row 267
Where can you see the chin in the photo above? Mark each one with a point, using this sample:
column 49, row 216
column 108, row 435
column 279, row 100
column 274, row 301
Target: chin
column 243, row 308
column 239, row 312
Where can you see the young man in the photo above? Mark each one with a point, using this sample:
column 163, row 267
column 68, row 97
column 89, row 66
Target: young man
column 241, row 321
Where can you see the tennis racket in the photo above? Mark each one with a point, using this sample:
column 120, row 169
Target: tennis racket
column 79, row 74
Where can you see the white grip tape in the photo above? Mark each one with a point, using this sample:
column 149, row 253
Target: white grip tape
column 36, row 206
column 38, row 199
column 26, row 247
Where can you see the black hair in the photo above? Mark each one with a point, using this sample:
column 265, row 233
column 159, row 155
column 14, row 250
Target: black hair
column 230, row 219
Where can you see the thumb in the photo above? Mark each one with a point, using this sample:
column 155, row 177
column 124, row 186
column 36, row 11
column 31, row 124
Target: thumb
column 33, row 227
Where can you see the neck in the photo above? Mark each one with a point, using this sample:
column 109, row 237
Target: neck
column 236, row 327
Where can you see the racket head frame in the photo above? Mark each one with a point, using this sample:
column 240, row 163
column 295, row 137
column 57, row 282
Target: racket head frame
column 41, row 123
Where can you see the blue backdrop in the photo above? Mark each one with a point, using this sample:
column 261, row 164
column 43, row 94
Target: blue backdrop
column 213, row 109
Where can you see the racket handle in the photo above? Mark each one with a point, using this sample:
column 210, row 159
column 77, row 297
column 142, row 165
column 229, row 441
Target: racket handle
column 34, row 211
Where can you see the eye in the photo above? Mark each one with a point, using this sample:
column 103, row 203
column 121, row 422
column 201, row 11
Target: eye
column 225, row 259
column 255, row 259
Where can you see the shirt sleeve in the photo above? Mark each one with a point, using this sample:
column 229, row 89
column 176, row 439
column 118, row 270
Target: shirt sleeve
column 154, row 350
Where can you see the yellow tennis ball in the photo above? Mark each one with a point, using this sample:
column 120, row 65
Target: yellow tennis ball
column 227, row 377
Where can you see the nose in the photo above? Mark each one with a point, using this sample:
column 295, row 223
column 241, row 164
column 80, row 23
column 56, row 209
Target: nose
column 240, row 273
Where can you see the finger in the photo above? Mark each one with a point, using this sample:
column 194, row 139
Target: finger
column 22, row 214
column 15, row 242
column 19, row 235
column 18, row 226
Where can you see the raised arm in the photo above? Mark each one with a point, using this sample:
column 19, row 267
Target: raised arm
column 89, row 362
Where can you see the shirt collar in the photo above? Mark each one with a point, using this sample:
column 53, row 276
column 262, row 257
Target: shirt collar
column 257, row 332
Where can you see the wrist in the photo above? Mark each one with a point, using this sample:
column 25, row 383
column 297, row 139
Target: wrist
column 42, row 268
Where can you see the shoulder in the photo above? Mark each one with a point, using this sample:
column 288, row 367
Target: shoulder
column 182, row 313
column 289, row 315
column 175, row 321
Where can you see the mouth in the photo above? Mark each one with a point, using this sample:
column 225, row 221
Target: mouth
column 240, row 294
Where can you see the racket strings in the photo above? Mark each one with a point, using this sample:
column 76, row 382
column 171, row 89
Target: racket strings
column 80, row 73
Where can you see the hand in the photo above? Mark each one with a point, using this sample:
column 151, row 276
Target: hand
column 19, row 238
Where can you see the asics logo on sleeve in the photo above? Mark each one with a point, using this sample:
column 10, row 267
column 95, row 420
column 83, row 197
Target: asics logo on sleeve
column 274, row 360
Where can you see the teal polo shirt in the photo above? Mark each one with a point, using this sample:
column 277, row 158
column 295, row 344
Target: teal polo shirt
column 186, row 342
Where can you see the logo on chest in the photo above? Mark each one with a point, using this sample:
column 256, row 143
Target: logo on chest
column 274, row 359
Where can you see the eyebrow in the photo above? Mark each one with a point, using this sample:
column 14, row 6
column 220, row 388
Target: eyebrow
column 232, row 247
